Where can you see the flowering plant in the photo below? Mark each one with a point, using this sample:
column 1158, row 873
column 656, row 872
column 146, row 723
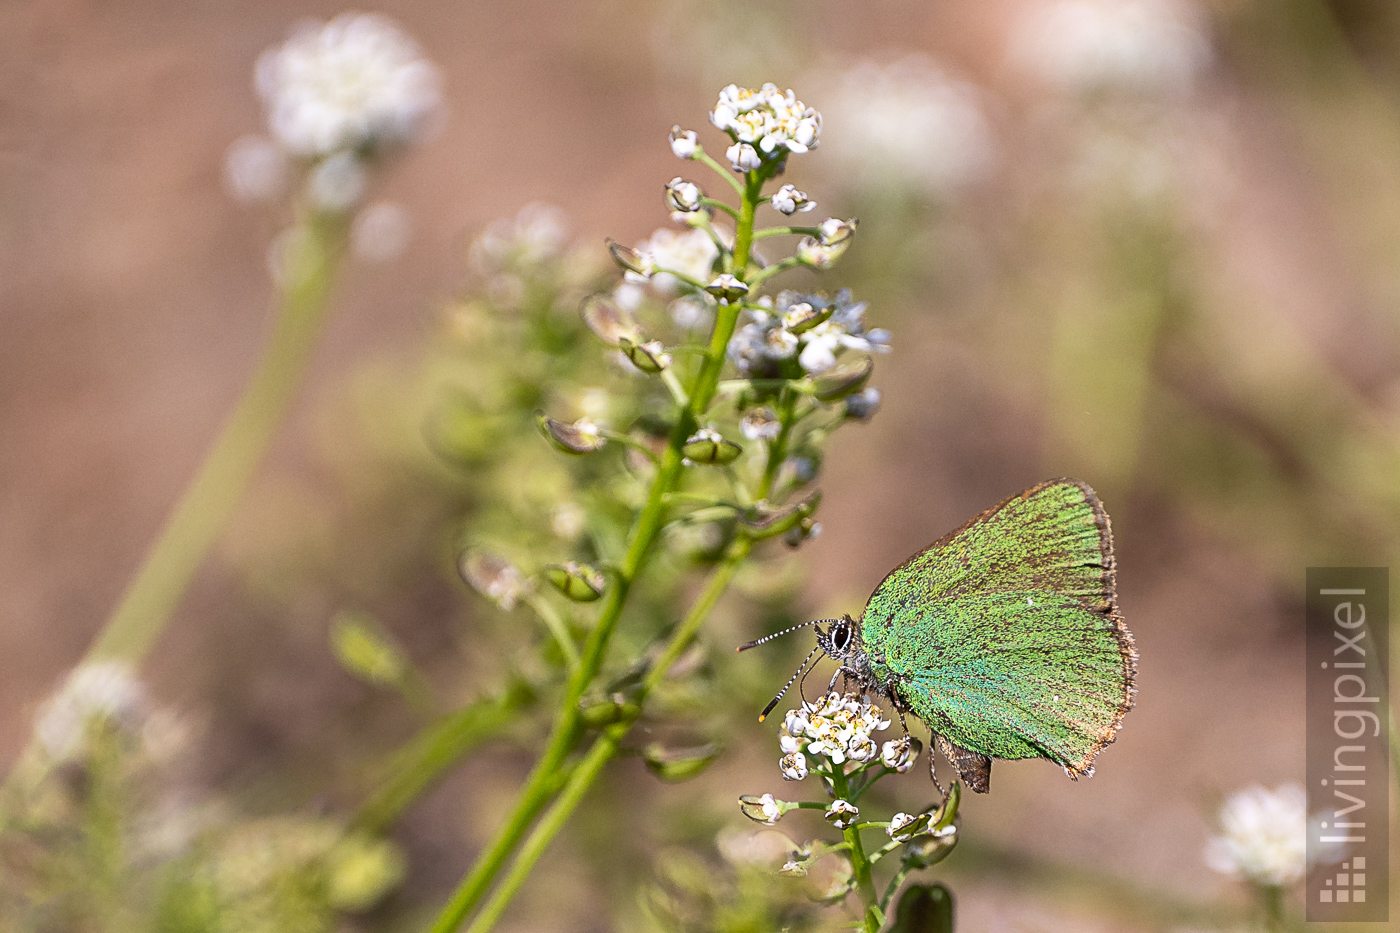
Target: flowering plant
column 834, row 739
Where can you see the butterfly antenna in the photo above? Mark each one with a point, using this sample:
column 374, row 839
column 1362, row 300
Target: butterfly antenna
column 769, row 708
column 787, row 631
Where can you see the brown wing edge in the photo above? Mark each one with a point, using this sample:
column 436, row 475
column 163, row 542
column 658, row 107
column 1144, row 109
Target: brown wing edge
column 1108, row 610
column 1127, row 648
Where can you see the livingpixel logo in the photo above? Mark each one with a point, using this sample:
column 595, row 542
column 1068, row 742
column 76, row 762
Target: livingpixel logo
column 1348, row 731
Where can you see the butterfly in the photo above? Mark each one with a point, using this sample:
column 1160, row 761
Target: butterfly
column 1003, row 636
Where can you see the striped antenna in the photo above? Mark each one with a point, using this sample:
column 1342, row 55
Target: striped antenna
column 787, row 631
column 774, row 702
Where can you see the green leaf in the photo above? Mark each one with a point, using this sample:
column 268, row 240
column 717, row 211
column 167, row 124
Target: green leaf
column 365, row 651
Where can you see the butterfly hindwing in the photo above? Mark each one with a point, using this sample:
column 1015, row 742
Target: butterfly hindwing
column 1004, row 636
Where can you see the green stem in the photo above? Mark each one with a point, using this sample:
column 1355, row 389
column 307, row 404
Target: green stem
column 605, row 748
column 861, row 867
column 568, row 727
column 202, row 513
column 555, row 623
column 702, row 156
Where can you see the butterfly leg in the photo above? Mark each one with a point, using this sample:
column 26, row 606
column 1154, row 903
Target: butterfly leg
column 933, row 770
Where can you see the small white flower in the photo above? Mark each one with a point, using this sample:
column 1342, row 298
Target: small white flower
column 766, row 809
column 683, row 196
column 899, row 754
column 796, row 722
column 1263, row 836
column 789, row 743
column 381, row 232
column 338, row 182
column 842, row 813
column 683, row 143
column 789, row 200
column 743, row 157
column 861, row 748
column 794, row 766
column 771, row 810
column 835, row 231
column 255, row 169
column 352, row 83
column 104, row 692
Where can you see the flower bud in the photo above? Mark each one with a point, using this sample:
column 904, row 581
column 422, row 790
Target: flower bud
column 684, row 143
column 609, row 322
column 581, row 437
column 649, row 357
column 840, row 381
column 790, row 201
column 683, row 196
column 727, row 287
column 743, row 157
column 493, row 577
column 794, row 766
column 765, row 809
column 836, row 232
column 842, row 813
column 629, row 260
column 360, row 871
column 675, row 766
column 706, row 446
column 932, row 847
column 863, row 405
column 818, row 256
column 579, row 582
column 802, row 317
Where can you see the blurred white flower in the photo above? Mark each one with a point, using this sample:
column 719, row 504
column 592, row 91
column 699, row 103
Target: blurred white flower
column 862, row 406
column 104, row 692
column 255, row 169
column 1263, row 836
column 381, row 232
column 690, row 252
column 690, row 312
column 909, row 124
column 338, row 182
column 537, row 232
column 353, row 83
column 286, row 255
column 760, row 344
column 1087, row 46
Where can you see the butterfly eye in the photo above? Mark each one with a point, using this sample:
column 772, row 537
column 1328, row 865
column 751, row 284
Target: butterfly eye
column 841, row 637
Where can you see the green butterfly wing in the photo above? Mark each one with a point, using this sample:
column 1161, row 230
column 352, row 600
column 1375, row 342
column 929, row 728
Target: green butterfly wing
column 1004, row 635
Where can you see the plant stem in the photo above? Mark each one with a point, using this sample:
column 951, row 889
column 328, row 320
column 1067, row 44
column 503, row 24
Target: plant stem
column 607, row 744
column 860, row 862
column 209, row 500
column 568, row 726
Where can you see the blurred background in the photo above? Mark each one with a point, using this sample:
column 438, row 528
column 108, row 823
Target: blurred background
column 1154, row 248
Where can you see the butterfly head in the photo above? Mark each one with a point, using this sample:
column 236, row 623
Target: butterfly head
column 842, row 643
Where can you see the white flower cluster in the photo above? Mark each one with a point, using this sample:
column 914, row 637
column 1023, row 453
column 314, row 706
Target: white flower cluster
column 775, row 333
column 1263, row 836
column 765, row 125
column 909, row 124
column 104, row 692
column 352, row 83
column 335, row 94
column 837, row 727
column 1085, row 46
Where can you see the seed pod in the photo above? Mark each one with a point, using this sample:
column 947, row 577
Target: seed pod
column 802, row 317
column 649, row 357
column 678, row 765
column 727, row 287
column 579, row 582
column 581, row 437
column 628, row 259
column 840, row 381
column 608, row 322
column 764, row 521
column 708, row 447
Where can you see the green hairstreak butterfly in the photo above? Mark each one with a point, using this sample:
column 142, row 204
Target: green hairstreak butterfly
column 1003, row 636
